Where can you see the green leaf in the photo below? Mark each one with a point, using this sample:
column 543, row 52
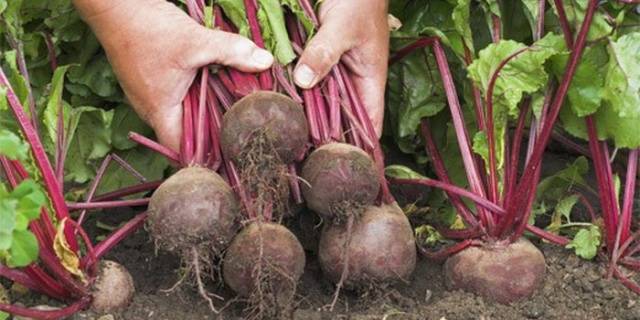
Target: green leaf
column 523, row 74
column 54, row 104
column 414, row 92
column 554, row 188
column 274, row 30
column 532, row 11
column 575, row 11
column 294, row 6
column 31, row 198
column 151, row 165
column 585, row 93
column 460, row 17
column 12, row 147
column 126, row 120
column 91, row 141
column 622, row 84
column 402, row 172
column 8, row 218
column 586, row 242
column 481, row 145
column 24, row 250
column 235, row 11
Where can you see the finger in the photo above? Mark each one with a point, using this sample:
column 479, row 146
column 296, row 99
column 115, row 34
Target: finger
column 218, row 47
column 371, row 88
column 321, row 54
column 167, row 124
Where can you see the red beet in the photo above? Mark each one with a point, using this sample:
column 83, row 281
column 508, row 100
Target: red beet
column 269, row 115
column 501, row 272
column 113, row 288
column 339, row 176
column 266, row 248
column 382, row 248
column 192, row 208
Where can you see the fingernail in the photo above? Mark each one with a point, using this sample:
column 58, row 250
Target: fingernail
column 262, row 58
column 304, row 76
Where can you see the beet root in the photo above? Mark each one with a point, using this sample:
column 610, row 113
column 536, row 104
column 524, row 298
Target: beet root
column 503, row 273
column 193, row 208
column 278, row 118
column 339, row 177
column 263, row 251
column 380, row 248
column 113, row 289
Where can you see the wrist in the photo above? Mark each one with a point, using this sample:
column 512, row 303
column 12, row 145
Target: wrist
column 89, row 9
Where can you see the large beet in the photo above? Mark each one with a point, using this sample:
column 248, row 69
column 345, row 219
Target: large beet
column 336, row 175
column 266, row 248
column 502, row 272
column 194, row 207
column 277, row 118
column 382, row 248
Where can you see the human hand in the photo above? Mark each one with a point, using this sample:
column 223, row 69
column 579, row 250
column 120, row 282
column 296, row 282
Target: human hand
column 357, row 32
column 156, row 49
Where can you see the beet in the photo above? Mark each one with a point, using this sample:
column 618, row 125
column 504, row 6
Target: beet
column 501, row 272
column 339, row 175
column 263, row 247
column 113, row 289
column 381, row 249
column 193, row 208
column 279, row 119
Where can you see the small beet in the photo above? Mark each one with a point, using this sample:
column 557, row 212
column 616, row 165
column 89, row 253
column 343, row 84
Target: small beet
column 194, row 207
column 337, row 174
column 275, row 116
column 263, row 247
column 381, row 249
column 501, row 272
column 113, row 289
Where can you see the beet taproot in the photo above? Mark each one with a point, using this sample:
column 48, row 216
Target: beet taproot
column 339, row 177
column 193, row 208
column 263, row 251
column 503, row 272
column 380, row 247
column 269, row 116
column 113, row 288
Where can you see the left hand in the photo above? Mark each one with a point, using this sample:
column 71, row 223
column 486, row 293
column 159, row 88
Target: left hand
column 357, row 32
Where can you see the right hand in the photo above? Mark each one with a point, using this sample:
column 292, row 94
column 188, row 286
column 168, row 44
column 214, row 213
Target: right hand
column 156, row 49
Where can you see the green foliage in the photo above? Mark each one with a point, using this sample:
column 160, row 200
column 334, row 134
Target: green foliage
column 586, row 242
column 401, row 172
column 18, row 246
column 12, row 147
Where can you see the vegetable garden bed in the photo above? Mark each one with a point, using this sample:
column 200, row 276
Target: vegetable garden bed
column 511, row 143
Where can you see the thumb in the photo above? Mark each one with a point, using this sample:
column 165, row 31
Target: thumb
column 167, row 124
column 208, row 46
column 321, row 54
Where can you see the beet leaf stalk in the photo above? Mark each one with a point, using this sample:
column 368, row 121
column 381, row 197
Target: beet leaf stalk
column 58, row 259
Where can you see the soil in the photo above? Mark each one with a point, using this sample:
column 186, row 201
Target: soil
column 573, row 289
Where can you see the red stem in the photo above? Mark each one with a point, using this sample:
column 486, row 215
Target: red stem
column 143, row 187
column 480, row 201
column 491, row 141
column 40, row 157
column 471, row 169
column 443, row 175
column 112, row 240
column 564, row 23
column 46, row 314
column 108, row 204
column 448, row 251
column 530, row 177
column 150, row 144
